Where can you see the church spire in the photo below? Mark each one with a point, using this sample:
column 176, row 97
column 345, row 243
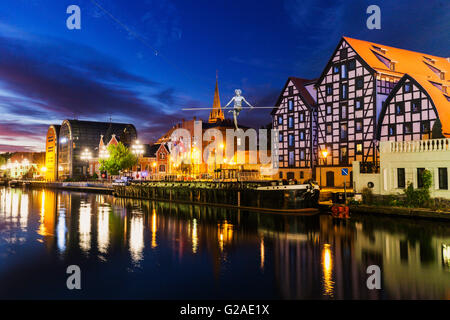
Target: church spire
column 216, row 113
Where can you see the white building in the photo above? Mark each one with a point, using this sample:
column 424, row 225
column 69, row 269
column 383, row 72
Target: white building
column 402, row 162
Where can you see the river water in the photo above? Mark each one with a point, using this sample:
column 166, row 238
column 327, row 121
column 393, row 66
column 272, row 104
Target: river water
column 132, row 249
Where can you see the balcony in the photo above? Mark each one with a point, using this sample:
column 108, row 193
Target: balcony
column 433, row 145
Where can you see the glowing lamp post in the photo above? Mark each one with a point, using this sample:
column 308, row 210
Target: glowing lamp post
column 138, row 150
column 324, row 154
column 86, row 155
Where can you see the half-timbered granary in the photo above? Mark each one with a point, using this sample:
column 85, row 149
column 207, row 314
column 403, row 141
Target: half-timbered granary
column 294, row 117
column 351, row 91
column 416, row 109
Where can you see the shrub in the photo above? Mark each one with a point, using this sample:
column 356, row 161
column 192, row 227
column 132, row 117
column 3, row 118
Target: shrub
column 419, row 197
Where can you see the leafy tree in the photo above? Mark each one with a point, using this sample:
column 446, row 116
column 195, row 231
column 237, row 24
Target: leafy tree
column 4, row 157
column 120, row 158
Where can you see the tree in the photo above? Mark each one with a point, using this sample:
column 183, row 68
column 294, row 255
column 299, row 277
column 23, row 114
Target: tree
column 120, row 158
column 4, row 157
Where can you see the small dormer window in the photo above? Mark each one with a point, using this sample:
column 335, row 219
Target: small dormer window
column 382, row 50
column 430, row 60
column 442, row 75
column 435, row 70
column 383, row 59
column 392, row 65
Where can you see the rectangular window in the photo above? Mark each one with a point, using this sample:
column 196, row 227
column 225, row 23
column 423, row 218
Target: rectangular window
column 344, row 91
column 280, row 137
column 416, row 106
column 359, row 148
column 425, row 126
column 291, row 90
column 291, row 122
column 301, row 116
column 280, row 120
column 329, row 89
column 329, row 109
column 399, row 108
column 329, row 128
column 302, row 154
column 352, row 64
column 358, row 125
column 392, row 130
column 407, row 128
column 335, row 69
column 302, row 175
column 280, row 158
column 407, row 87
column 443, row 179
column 344, row 74
column 343, row 155
column 358, row 104
column 344, row 111
column 420, row 172
column 290, row 105
column 343, row 53
column 291, row 140
column 359, row 83
column 291, row 158
column 401, row 183
column 343, row 131
column 302, row 135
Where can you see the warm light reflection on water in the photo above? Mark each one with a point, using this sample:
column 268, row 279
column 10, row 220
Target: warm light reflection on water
column 269, row 256
column 103, row 229
column 85, row 226
column 136, row 237
column 327, row 264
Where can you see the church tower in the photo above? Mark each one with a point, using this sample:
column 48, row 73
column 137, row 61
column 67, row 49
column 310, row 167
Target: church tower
column 216, row 113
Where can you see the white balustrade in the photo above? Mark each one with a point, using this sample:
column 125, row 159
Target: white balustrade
column 419, row 145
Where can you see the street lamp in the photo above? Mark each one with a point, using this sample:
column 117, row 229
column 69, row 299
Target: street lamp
column 324, row 154
column 86, row 155
column 138, row 150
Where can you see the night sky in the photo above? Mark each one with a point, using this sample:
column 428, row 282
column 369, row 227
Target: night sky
column 49, row 73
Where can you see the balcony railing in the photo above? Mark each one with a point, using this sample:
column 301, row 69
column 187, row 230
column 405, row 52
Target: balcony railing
column 418, row 146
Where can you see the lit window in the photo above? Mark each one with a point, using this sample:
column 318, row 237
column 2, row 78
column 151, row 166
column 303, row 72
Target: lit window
column 302, row 135
column 291, row 122
column 291, row 140
column 280, row 119
column 344, row 71
column 301, row 116
column 290, row 105
column 392, row 130
column 329, row 89
column 407, row 87
column 291, row 158
column 329, row 128
column 344, row 91
column 358, row 126
column 358, row 104
column 359, row 148
column 302, row 154
column 343, row 111
column 329, row 109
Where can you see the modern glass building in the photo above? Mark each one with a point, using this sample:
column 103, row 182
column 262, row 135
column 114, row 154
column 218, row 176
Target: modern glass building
column 76, row 137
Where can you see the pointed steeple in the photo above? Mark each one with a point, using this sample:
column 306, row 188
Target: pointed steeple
column 216, row 113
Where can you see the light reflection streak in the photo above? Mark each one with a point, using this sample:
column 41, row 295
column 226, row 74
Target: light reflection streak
column 327, row 265
column 194, row 236
column 61, row 230
column 136, row 238
column 85, row 226
column 154, row 229
column 262, row 253
column 103, row 229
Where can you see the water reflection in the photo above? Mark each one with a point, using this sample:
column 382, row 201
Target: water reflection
column 136, row 238
column 200, row 249
column 85, row 226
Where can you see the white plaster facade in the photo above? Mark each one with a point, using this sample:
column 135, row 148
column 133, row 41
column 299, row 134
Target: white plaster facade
column 433, row 155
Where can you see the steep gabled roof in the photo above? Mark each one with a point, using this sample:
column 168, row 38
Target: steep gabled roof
column 406, row 61
column 438, row 100
column 300, row 84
